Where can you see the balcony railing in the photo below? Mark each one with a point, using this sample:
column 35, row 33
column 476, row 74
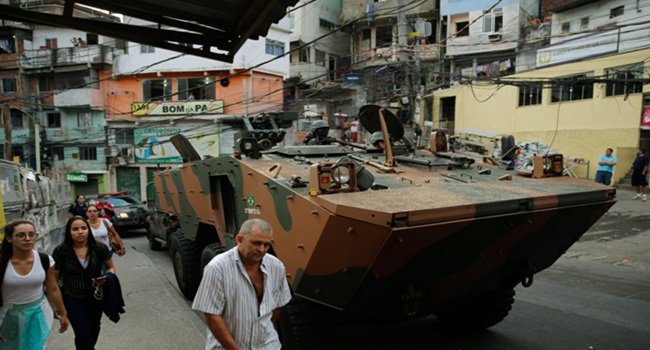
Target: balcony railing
column 67, row 56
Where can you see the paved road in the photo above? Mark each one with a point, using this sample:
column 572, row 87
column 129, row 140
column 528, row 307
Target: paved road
column 597, row 296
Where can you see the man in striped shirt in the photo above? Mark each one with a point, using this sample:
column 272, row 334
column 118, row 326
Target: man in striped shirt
column 242, row 292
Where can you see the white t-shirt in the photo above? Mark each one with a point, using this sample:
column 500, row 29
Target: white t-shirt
column 18, row 289
column 354, row 126
column 101, row 233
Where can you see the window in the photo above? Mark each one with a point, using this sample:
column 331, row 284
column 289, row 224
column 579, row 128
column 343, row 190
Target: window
column 462, row 28
column 147, row 49
column 493, row 21
column 156, row 89
column 88, row 153
column 617, row 11
column 56, row 151
column 275, row 48
column 304, row 54
column 201, row 88
column 530, row 95
column 327, row 24
column 584, row 23
column 9, row 85
column 292, row 21
column 54, row 120
column 573, row 88
column 566, row 27
column 320, row 58
column 16, row 118
column 51, row 43
column 46, row 84
column 84, row 119
column 618, row 83
column 384, row 36
column 7, row 44
column 123, row 136
column 92, row 39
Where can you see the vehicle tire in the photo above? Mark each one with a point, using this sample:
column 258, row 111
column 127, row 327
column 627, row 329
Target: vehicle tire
column 507, row 144
column 300, row 323
column 153, row 244
column 482, row 312
column 186, row 264
column 209, row 252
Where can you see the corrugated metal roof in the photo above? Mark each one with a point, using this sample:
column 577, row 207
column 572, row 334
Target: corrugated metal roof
column 206, row 28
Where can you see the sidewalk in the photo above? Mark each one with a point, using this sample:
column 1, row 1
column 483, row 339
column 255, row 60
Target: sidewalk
column 156, row 317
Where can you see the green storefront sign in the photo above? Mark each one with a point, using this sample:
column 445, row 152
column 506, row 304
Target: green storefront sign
column 77, row 177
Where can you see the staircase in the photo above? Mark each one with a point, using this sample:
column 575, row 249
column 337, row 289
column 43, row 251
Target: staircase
column 626, row 183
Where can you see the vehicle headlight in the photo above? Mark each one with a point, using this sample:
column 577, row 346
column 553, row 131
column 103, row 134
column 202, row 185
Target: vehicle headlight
column 123, row 215
column 340, row 174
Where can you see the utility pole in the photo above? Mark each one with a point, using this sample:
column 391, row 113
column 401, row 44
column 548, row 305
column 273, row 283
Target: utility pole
column 6, row 117
column 402, row 42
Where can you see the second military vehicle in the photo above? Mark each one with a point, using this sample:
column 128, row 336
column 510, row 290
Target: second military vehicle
column 375, row 235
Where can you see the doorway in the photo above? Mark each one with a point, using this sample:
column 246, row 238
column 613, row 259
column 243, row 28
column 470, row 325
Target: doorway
column 448, row 114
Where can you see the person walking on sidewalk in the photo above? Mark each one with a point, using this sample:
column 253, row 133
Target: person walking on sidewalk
column 640, row 174
column 102, row 228
column 78, row 265
column 79, row 207
column 606, row 165
column 26, row 317
column 242, row 292
column 105, row 208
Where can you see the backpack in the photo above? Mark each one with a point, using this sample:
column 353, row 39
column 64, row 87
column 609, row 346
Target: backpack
column 45, row 262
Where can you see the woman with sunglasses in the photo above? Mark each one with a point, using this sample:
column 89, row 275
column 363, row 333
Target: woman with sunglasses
column 26, row 317
column 102, row 228
column 78, row 268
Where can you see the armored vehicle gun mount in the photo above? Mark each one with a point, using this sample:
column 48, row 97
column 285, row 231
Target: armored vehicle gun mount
column 363, row 239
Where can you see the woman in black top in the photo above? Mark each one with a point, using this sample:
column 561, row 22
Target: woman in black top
column 79, row 207
column 78, row 263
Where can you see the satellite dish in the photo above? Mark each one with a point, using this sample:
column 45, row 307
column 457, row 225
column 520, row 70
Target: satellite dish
column 369, row 118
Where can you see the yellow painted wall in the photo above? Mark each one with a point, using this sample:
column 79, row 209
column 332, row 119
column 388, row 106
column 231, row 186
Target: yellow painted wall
column 578, row 129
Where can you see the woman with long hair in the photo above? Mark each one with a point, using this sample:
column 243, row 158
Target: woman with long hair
column 79, row 207
column 78, row 268
column 26, row 317
column 102, row 228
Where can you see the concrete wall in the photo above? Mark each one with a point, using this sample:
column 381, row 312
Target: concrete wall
column 477, row 41
column 579, row 129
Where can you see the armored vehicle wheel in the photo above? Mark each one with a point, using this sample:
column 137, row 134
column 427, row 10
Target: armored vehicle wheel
column 482, row 312
column 186, row 264
column 300, row 324
column 209, row 252
column 153, row 244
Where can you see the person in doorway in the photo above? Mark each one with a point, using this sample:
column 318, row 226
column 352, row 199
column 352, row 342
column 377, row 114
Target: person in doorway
column 78, row 208
column 605, row 169
column 640, row 174
column 242, row 291
column 105, row 208
column 78, row 268
column 102, row 228
column 26, row 317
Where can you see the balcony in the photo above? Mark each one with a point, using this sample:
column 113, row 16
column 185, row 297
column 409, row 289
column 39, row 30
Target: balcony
column 67, row 56
column 89, row 135
column 83, row 97
column 383, row 10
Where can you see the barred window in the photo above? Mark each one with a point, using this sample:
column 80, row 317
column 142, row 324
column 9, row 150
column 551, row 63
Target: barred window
column 56, row 151
column 621, row 80
column 9, row 85
column 88, row 153
column 530, row 95
column 573, row 88
column 147, row 49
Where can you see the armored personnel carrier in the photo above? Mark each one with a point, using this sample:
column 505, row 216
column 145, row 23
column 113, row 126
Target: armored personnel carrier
column 365, row 234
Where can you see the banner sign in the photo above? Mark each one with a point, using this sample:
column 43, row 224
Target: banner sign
column 74, row 177
column 591, row 45
column 153, row 145
column 176, row 108
column 645, row 120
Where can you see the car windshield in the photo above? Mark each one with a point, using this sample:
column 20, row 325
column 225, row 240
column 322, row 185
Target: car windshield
column 123, row 201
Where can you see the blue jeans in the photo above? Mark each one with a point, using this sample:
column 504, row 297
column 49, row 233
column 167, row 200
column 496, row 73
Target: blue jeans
column 603, row 177
column 85, row 318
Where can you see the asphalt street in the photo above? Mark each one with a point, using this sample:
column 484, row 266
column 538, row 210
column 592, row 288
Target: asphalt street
column 597, row 296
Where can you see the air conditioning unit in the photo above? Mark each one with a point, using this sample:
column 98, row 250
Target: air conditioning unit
column 494, row 37
column 119, row 160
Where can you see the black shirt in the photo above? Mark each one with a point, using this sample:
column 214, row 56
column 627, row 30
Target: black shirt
column 78, row 210
column 75, row 280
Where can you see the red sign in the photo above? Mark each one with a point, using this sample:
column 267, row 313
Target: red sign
column 645, row 120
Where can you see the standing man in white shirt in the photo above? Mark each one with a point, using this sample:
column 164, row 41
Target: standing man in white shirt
column 242, row 291
column 605, row 170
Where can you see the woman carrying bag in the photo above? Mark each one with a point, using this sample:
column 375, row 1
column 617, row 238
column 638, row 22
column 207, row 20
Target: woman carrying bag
column 26, row 317
column 104, row 231
column 78, row 269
